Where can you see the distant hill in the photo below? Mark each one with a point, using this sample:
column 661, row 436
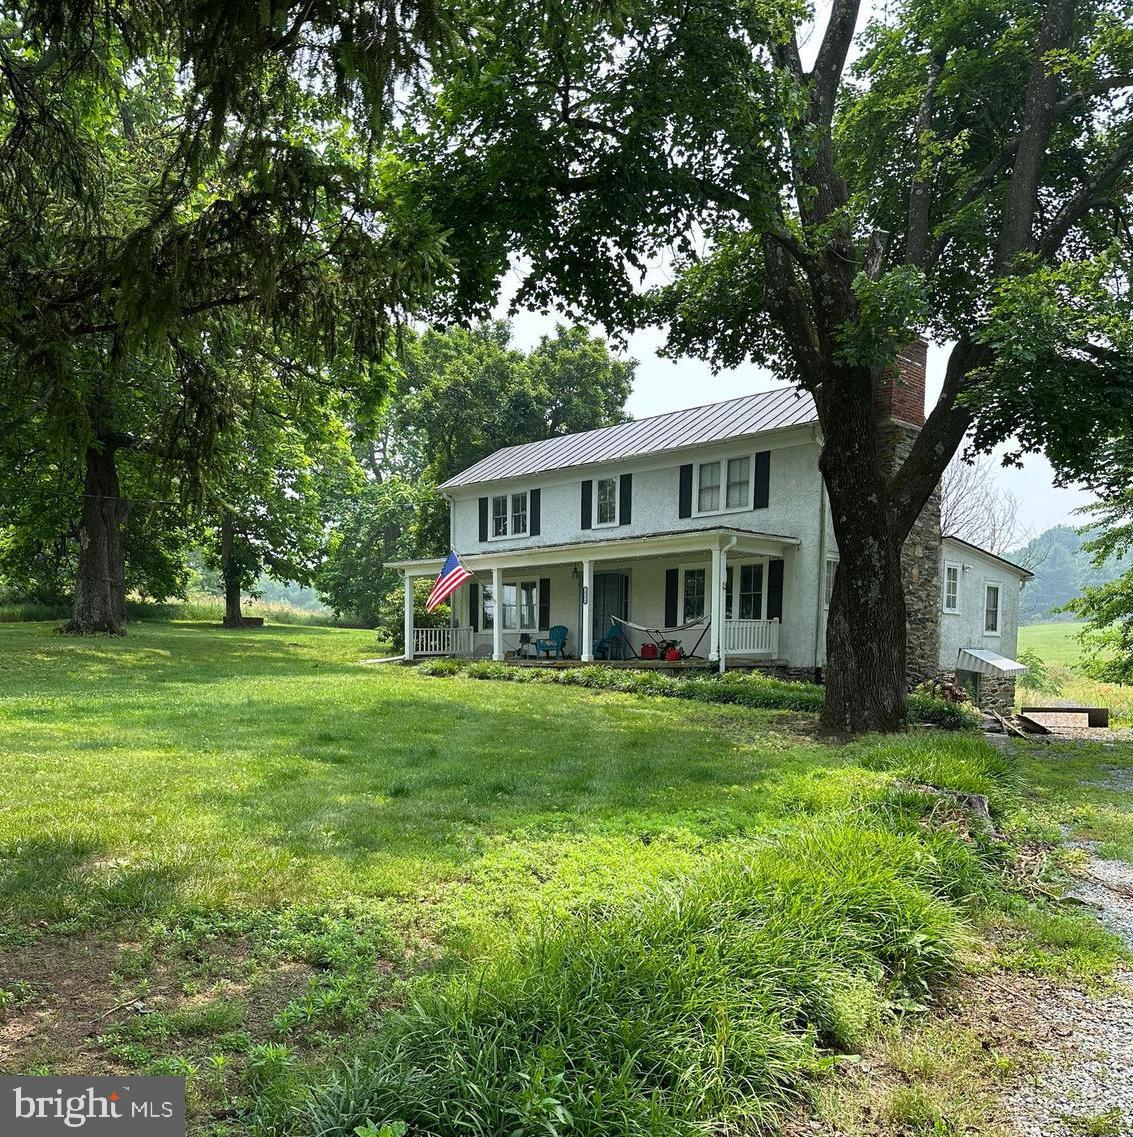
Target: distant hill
column 1062, row 570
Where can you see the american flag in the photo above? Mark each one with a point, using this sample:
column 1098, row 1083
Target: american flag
column 453, row 575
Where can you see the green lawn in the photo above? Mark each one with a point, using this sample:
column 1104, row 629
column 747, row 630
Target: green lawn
column 187, row 766
column 1058, row 645
column 229, row 854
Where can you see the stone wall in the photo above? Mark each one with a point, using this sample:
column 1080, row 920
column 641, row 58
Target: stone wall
column 899, row 400
column 920, row 568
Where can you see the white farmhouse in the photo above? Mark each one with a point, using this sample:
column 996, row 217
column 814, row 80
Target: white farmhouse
column 708, row 528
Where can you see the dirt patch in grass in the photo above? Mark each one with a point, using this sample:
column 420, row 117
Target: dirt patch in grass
column 67, row 1001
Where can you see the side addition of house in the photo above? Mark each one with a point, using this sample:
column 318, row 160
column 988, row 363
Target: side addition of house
column 706, row 528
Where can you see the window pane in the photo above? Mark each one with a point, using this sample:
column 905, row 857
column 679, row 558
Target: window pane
column 751, row 592
column 729, row 580
column 708, row 498
column 991, row 609
column 507, row 606
column 831, row 569
column 488, row 620
column 528, row 604
column 739, row 477
column 519, row 512
column 607, row 501
column 951, row 587
column 694, row 594
column 499, row 516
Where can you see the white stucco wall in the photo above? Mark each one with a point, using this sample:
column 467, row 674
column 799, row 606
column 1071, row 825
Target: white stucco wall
column 965, row 628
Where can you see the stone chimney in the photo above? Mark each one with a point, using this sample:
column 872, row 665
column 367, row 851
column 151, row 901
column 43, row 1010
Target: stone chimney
column 899, row 399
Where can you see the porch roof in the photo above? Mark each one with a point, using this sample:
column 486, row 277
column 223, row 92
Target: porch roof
column 655, row 545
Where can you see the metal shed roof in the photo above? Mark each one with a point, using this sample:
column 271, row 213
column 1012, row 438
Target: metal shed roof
column 714, row 422
column 987, row 662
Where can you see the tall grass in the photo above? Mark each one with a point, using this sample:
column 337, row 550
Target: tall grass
column 705, row 1007
column 198, row 607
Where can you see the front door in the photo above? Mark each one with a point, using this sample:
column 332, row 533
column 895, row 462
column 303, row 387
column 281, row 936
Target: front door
column 611, row 598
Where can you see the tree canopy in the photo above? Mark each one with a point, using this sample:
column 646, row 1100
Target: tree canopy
column 965, row 178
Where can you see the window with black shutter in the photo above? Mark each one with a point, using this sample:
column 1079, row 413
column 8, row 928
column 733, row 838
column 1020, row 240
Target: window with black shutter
column 672, row 583
column 625, row 499
column 762, row 480
column 535, row 511
column 544, row 603
column 587, row 504
column 483, row 519
column 775, row 589
column 684, row 494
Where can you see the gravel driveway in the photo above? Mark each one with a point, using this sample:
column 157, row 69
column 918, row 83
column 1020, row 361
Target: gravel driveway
column 1088, row 1087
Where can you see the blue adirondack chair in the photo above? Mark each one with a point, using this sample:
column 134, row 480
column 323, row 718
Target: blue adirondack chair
column 554, row 643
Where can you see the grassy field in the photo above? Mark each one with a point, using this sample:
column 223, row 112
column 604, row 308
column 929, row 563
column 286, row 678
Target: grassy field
column 1058, row 646
column 243, row 857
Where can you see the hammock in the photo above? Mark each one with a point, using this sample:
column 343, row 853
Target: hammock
column 660, row 635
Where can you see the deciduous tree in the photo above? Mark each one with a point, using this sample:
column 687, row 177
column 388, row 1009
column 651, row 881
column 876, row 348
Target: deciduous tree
column 965, row 176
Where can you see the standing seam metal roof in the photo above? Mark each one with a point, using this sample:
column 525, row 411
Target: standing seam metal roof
column 714, row 422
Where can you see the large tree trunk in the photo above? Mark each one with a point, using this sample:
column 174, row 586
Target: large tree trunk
column 865, row 628
column 229, row 567
column 100, row 580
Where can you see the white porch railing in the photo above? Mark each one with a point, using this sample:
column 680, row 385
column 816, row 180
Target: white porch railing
column 752, row 637
column 442, row 641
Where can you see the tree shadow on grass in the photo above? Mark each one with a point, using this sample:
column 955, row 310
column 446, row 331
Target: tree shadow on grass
column 63, row 878
column 453, row 773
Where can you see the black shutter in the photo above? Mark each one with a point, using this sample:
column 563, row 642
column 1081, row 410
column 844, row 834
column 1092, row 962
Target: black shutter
column 625, row 499
column 672, row 576
column 684, row 498
column 587, row 504
column 474, row 605
column 483, row 519
column 533, row 517
column 544, row 603
column 775, row 589
column 762, row 479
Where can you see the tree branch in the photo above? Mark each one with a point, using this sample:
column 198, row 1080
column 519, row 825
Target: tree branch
column 920, row 188
column 1088, row 197
column 1016, row 232
column 827, row 72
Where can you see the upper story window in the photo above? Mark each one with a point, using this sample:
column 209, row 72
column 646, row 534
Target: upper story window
column 991, row 609
column 509, row 515
column 951, row 587
column 606, row 501
column 723, row 484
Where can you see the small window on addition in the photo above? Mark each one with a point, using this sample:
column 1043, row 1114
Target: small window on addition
column 951, row 588
column 991, row 609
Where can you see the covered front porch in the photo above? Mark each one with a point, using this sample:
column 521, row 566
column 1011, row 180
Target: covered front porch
column 717, row 593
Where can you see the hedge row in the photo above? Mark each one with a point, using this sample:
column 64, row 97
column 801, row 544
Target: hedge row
column 748, row 690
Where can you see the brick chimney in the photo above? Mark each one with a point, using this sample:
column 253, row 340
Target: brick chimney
column 900, row 393
column 899, row 400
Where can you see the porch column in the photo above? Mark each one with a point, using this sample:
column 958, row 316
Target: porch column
column 587, row 618
column 408, row 615
column 498, row 617
column 719, row 595
column 716, row 607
